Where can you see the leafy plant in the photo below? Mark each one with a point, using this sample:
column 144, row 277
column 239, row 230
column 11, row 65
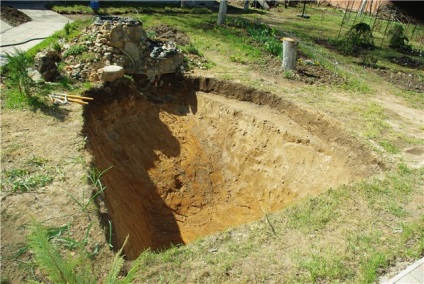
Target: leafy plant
column 260, row 33
column 74, row 50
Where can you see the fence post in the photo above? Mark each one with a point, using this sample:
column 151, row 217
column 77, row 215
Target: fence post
column 289, row 53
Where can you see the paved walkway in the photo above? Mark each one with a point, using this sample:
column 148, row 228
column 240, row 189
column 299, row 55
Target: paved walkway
column 414, row 274
column 44, row 23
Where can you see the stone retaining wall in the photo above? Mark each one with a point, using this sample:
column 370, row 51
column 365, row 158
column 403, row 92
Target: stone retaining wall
column 122, row 42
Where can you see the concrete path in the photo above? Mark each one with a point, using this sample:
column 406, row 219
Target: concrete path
column 414, row 274
column 44, row 23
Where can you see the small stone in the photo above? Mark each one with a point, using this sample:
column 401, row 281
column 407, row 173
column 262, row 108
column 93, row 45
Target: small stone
column 108, row 56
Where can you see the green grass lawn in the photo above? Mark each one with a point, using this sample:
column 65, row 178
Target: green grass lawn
column 350, row 234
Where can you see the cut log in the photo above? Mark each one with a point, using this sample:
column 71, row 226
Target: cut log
column 289, row 53
column 111, row 73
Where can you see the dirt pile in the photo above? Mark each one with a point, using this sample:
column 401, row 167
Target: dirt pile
column 193, row 157
column 13, row 16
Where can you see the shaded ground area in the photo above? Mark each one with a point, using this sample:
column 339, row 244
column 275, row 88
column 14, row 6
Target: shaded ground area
column 13, row 16
column 407, row 61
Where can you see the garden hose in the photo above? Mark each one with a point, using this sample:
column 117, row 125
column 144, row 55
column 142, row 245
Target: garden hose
column 23, row 42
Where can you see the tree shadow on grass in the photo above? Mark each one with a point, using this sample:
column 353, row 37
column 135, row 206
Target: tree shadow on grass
column 40, row 104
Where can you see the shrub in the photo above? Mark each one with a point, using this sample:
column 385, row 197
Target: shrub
column 358, row 38
column 16, row 72
column 398, row 37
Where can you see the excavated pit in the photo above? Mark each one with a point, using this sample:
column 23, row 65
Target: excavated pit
column 195, row 156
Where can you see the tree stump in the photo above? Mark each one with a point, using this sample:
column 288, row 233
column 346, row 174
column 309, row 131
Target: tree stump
column 289, row 53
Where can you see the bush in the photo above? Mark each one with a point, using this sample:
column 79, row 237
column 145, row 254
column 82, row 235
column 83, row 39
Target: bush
column 398, row 37
column 358, row 38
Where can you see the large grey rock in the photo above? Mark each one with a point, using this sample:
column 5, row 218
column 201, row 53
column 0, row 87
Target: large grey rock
column 132, row 50
column 111, row 73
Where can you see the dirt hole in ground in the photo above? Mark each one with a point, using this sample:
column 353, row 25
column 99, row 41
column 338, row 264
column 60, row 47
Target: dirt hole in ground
column 195, row 156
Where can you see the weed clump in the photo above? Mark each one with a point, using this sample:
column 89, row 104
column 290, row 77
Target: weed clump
column 260, row 33
column 75, row 50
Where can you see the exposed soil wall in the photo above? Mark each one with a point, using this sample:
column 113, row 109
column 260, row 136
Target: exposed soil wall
column 196, row 156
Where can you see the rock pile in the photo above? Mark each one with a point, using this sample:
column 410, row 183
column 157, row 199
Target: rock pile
column 122, row 42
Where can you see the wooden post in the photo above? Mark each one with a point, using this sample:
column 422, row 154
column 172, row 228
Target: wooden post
column 246, row 5
column 289, row 53
column 222, row 11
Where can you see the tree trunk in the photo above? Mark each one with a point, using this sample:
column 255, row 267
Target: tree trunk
column 289, row 53
column 222, row 11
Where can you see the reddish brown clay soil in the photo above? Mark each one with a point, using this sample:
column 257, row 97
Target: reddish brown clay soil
column 193, row 157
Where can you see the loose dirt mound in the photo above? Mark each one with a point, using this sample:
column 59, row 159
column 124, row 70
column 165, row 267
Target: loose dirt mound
column 168, row 33
column 194, row 157
column 13, row 16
